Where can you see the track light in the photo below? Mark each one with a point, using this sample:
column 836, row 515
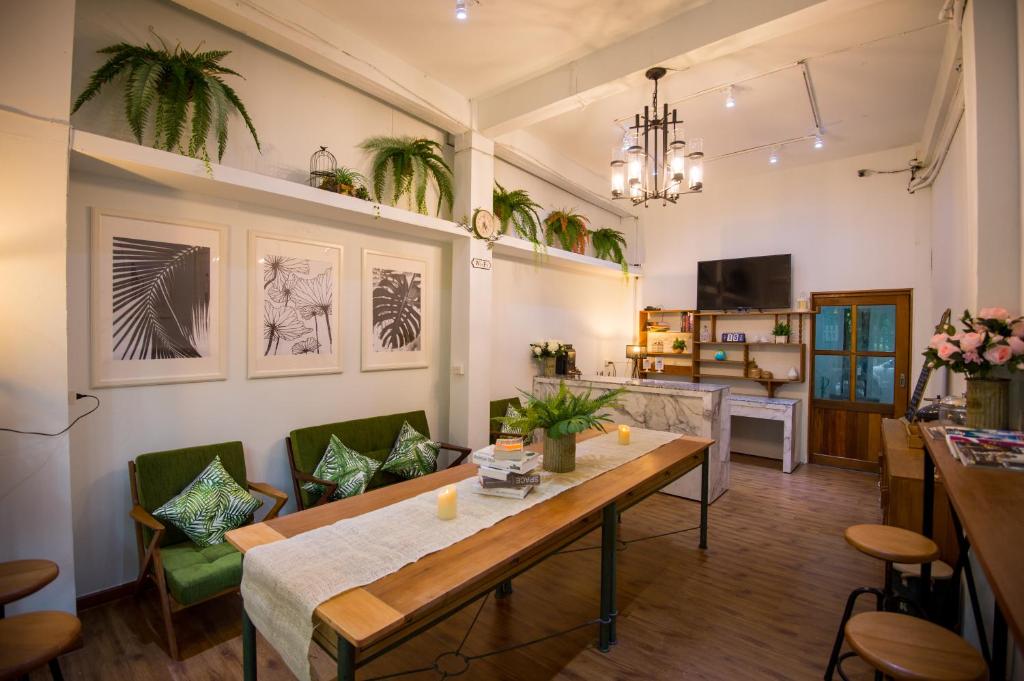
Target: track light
column 773, row 157
column 730, row 98
column 818, row 142
column 461, row 13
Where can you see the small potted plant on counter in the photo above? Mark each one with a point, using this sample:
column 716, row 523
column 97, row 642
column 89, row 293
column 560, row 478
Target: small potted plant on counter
column 678, row 345
column 546, row 352
column 562, row 416
column 781, row 332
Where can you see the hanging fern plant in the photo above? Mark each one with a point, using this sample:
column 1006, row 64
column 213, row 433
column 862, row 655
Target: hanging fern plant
column 173, row 82
column 516, row 209
column 609, row 244
column 570, row 229
column 410, row 164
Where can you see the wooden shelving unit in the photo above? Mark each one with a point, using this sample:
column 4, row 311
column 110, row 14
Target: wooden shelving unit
column 680, row 323
column 703, row 367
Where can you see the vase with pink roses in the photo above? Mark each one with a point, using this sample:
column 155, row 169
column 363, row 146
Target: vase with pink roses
column 991, row 342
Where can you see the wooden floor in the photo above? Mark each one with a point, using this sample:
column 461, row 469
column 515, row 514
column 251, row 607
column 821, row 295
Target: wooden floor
column 762, row 602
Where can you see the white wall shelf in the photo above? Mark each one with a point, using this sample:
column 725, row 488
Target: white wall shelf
column 521, row 249
column 102, row 155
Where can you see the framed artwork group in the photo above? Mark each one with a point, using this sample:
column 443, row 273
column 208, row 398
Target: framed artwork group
column 160, row 306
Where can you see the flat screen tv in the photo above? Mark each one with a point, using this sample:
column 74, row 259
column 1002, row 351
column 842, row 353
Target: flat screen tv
column 760, row 283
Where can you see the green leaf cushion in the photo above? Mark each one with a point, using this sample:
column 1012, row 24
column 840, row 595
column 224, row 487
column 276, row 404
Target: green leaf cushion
column 512, row 412
column 209, row 506
column 345, row 466
column 195, row 573
column 413, row 454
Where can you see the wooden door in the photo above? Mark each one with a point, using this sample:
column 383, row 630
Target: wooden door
column 860, row 365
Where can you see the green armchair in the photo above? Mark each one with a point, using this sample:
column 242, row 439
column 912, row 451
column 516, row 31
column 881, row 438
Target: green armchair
column 498, row 408
column 372, row 437
column 184, row 573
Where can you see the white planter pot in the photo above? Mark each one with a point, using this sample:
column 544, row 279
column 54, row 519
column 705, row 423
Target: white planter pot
column 782, row 339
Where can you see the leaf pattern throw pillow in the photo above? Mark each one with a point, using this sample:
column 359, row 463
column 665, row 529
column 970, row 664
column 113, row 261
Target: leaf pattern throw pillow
column 511, row 413
column 413, row 454
column 345, row 466
column 209, row 506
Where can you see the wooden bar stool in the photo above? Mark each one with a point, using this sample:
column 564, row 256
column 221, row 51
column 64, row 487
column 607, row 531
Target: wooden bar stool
column 20, row 578
column 911, row 649
column 34, row 639
column 891, row 545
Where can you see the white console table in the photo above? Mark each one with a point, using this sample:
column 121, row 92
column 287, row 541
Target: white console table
column 772, row 409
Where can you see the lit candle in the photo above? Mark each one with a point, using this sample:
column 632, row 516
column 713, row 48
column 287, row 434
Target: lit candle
column 623, row 435
column 447, row 499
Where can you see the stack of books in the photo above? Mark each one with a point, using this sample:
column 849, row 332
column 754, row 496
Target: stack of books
column 506, row 469
column 994, row 448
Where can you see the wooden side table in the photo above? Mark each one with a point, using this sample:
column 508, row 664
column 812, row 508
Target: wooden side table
column 20, row 578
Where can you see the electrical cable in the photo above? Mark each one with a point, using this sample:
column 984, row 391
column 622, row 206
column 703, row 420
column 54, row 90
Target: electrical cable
column 78, row 396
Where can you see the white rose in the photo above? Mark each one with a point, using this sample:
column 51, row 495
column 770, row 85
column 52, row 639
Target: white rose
column 536, row 351
column 550, row 345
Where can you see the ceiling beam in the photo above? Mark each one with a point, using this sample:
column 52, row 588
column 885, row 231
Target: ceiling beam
column 307, row 35
column 709, row 31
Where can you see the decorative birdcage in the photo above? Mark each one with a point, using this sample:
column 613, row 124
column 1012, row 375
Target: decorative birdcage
column 322, row 169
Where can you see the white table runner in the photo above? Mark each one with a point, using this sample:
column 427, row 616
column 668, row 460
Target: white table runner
column 284, row 582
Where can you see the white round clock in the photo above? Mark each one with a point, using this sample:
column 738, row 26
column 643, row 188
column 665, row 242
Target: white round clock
column 485, row 225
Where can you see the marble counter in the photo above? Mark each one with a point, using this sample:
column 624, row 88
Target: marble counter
column 699, row 409
column 772, row 409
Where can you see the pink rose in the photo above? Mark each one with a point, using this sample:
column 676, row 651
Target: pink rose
column 1018, row 329
column 937, row 340
column 971, row 341
column 972, row 358
column 1016, row 345
column 947, row 350
column 998, row 354
column 1000, row 313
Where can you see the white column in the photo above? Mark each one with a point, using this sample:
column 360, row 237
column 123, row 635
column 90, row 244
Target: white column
column 35, row 488
column 469, row 405
column 993, row 152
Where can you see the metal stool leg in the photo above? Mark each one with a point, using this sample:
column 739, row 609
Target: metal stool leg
column 833, row 659
column 55, row 670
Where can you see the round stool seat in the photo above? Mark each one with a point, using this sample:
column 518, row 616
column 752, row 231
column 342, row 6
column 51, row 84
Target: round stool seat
column 912, row 649
column 31, row 640
column 940, row 569
column 893, row 544
column 19, row 578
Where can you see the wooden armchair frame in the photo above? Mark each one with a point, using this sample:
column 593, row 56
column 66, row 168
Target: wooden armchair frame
column 299, row 477
column 151, row 566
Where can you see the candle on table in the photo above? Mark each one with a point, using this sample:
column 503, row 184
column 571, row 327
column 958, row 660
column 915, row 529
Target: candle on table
column 447, row 500
column 623, row 435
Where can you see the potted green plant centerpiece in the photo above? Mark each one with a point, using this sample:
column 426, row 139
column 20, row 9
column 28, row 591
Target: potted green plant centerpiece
column 991, row 343
column 562, row 416
column 781, row 332
column 546, row 352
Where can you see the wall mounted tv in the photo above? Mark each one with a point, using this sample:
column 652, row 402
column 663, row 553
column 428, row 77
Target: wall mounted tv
column 760, row 283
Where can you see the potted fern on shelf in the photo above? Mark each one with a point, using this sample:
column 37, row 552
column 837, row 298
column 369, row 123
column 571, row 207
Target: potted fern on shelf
column 781, row 332
column 179, row 87
column 610, row 244
column 570, row 229
column 345, row 181
column 515, row 208
column 409, row 165
column 562, row 416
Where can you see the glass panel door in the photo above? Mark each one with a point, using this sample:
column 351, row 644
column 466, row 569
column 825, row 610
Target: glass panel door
column 855, row 353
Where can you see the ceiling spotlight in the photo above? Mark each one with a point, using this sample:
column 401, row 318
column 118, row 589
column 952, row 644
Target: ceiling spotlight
column 461, row 13
column 818, row 142
column 730, row 98
column 773, row 157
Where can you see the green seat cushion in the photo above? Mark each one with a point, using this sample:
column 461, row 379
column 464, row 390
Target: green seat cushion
column 345, row 466
column 209, row 506
column 413, row 455
column 195, row 573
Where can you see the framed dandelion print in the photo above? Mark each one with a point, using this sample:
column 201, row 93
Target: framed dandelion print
column 294, row 295
column 396, row 309
column 159, row 300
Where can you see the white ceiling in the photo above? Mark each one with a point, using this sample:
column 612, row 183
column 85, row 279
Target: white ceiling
column 503, row 41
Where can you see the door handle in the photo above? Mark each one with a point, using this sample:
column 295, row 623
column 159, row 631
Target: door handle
column 903, row 380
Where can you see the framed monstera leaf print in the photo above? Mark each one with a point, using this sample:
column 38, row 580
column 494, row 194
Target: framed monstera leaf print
column 159, row 300
column 396, row 309
column 294, row 299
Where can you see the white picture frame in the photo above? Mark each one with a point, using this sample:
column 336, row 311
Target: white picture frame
column 394, row 343
column 170, row 270
column 294, row 320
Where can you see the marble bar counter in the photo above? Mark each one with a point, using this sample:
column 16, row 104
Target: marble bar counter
column 700, row 409
column 773, row 409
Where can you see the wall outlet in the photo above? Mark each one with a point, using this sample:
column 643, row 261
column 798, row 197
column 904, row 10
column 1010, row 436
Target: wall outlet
column 458, row 370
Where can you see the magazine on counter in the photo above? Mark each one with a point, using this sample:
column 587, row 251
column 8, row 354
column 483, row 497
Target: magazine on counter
column 991, row 448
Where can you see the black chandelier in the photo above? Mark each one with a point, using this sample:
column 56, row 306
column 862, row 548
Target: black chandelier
column 658, row 163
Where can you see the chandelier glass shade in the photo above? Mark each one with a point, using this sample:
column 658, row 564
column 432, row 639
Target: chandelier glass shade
column 656, row 161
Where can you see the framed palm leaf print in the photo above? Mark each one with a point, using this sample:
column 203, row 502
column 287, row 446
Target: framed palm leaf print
column 294, row 298
column 159, row 300
column 396, row 309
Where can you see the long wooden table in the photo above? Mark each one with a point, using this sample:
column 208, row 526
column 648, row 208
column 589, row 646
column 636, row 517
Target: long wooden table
column 365, row 622
column 989, row 506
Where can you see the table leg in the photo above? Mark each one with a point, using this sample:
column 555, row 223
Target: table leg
column 705, row 469
column 997, row 669
column 927, row 513
column 248, row 647
column 346, row 660
column 609, row 527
